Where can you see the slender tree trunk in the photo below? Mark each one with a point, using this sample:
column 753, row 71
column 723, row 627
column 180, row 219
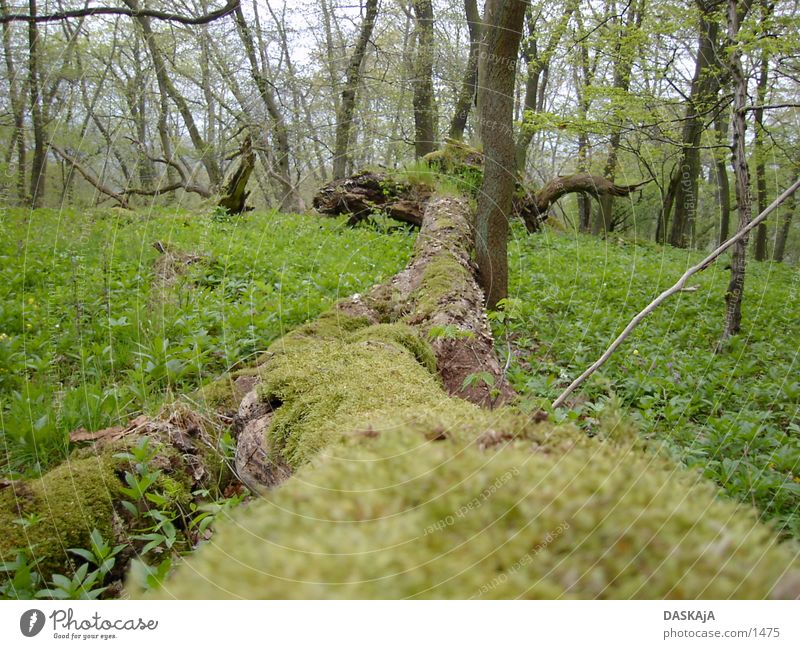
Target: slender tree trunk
column 205, row 151
column 424, row 100
column 537, row 76
column 783, row 232
column 759, row 150
column 733, row 297
column 467, row 95
column 16, row 99
column 39, row 167
column 622, row 80
column 496, row 74
column 723, row 184
column 344, row 118
column 290, row 199
column 704, row 91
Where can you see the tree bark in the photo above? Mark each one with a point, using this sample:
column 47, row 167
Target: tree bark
column 759, row 152
column 39, row 164
column 723, row 184
column 623, row 63
column 424, row 100
column 703, row 93
column 234, row 192
column 733, row 297
column 344, row 118
column 467, row 95
column 496, row 74
column 783, row 233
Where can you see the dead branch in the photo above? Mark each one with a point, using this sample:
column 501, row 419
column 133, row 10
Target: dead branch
column 675, row 288
column 204, row 19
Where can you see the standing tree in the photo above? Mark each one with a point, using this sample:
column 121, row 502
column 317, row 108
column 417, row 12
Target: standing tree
column 736, row 11
column 424, row 100
column 496, row 74
column 466, row 96
column 344, row 118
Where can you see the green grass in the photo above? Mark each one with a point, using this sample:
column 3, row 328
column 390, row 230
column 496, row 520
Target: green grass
column 734, row 416
column 88, row 339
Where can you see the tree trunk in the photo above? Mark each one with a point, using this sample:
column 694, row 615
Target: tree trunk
column 204, row 151
column 424, row 100
column 783, row 232
column 623, row 64
column 234, row 193
column 496, row 74
column 39, row 166
column 733, row 297
column 290, row 200
column 759, row 152
column 344, row 118
column 467, row 95
column 704, row 91
column 16, row 99
column 723, row 184
column 536, row 81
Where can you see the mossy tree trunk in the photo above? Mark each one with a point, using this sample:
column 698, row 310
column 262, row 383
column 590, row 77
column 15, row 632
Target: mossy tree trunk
column 234, row 193
column 380, row 476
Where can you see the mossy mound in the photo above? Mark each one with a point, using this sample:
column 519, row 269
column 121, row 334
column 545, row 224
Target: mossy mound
column 66, row 504
column 409, row 509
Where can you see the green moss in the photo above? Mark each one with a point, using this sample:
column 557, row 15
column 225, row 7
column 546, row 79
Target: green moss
column 400, row 335
column 441, row 279
column 395, row 515
column 330, row 388
column 331, row 325
column 220, row 394
column 71, row 500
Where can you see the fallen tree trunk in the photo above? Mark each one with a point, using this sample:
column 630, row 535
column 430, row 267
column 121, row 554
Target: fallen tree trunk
column 369, row 192
column 392, row 486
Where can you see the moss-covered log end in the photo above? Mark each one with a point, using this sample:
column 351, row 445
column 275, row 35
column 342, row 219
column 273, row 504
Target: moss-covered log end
column 466, row 503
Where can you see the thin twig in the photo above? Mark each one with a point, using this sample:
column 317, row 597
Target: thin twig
column 671, row 291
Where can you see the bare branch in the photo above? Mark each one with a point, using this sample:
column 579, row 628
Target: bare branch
column 90, row 176
column 675, row 288
column 204, row 19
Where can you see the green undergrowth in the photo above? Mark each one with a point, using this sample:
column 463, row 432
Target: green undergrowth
column 735, row 416
column 94, row 328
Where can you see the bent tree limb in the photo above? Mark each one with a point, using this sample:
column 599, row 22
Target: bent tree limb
column 392, row 486
column 90, row 176
column 367, row 192
column 203, row 19
column 675, row 288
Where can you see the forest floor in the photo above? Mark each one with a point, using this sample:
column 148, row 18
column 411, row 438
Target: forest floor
column 105, row 315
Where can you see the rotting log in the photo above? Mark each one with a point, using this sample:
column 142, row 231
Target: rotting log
column 389, row 485
column 369, row 192
column 64, row 506
column 234, row 194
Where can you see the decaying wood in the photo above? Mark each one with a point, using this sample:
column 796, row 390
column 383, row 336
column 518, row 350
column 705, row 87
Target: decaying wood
column 367, row 192
column 675, row 288
column 371, row 192
column 234, row 193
